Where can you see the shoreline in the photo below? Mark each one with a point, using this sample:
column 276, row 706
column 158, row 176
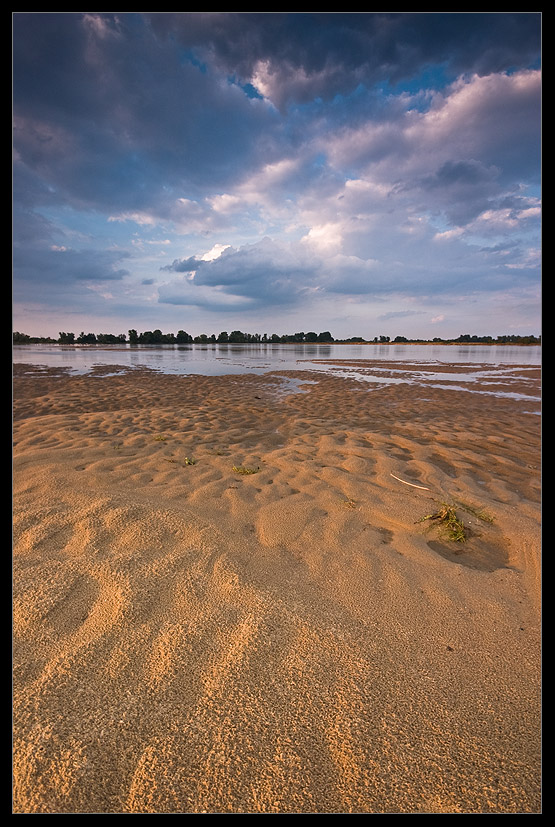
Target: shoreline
column 446, row 343
column 192, row 638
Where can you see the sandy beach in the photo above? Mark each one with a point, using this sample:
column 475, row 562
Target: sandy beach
column 192, row 638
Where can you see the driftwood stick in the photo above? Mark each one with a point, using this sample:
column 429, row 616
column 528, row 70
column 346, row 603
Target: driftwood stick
column 410, row 483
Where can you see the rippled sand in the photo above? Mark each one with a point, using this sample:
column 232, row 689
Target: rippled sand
column 188, row 638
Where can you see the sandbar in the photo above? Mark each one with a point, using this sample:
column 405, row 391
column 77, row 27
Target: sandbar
column 226, row 598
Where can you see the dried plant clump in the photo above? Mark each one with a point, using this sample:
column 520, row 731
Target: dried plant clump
column 242, row 469
column 447, row 518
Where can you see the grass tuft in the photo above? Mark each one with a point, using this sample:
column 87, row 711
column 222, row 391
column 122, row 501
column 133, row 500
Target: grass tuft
column 241, row 469
column 447, row 518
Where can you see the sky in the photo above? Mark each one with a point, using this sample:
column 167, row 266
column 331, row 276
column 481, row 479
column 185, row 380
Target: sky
column 365, row 174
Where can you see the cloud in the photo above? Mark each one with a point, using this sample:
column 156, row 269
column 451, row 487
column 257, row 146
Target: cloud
column 47, row 266
column 270, row 274
column 88, row 124
column 264, row 273
column 399, row 314
column 275, row 160
column 89, row 108
column 467, row 173
column 203, row 296
column 69, row 265
column 471, row 129
column 296, row 57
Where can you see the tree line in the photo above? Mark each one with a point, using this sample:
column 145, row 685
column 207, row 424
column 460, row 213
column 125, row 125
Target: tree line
column 156, row 337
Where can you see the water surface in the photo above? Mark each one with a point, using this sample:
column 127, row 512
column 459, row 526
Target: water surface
column 500, row 370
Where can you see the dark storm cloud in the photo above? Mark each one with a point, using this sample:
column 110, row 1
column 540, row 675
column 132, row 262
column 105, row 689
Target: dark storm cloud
column 106, row 115
column 323, row 54
column 111, row 112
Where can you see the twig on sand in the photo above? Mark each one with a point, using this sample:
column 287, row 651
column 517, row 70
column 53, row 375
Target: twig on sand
column 409, row 483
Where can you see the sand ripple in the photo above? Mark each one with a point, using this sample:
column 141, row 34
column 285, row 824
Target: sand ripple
column 191, row 639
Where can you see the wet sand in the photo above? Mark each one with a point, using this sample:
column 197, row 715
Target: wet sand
column 192, row 639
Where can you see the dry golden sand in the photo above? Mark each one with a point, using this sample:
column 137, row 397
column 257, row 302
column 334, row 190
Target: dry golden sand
column 190, row 639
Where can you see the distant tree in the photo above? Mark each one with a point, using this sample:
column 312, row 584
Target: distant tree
column 183, row 338
column 223, row 337
column 66, row 338
column 400, row 339
column 21, row 338
column 237, row 336
column 325, row 336
column 530, row 340
column 311, row 337
column 86, row 339
column 133, row 337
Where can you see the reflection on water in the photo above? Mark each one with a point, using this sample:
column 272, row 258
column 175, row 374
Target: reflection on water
column 506, row 370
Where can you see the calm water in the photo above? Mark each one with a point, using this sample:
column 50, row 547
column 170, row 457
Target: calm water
column 502, row 367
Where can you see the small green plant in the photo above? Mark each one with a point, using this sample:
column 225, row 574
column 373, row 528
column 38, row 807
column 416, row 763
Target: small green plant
column 160, row 438
column 350, row 503
column 241, row 469
column 447, row 518
column 190, row 461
